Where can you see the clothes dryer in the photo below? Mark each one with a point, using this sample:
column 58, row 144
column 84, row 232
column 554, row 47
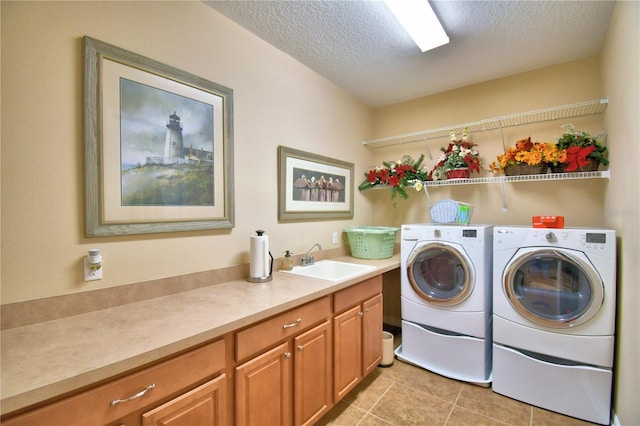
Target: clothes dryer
column 446, row 299
column 554, row 304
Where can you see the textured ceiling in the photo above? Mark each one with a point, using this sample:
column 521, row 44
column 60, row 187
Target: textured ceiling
column 359, row 46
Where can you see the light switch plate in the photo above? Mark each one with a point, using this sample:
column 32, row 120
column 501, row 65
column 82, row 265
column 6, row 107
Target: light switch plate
column 336, row 234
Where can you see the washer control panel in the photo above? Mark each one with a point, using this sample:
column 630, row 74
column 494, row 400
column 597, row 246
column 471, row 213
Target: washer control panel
column 583, row 239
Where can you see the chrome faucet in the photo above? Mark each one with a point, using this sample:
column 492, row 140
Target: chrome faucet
column 307, row 259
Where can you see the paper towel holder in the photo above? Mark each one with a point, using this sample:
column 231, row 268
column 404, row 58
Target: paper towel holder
column 263, row 279
column 267, row 278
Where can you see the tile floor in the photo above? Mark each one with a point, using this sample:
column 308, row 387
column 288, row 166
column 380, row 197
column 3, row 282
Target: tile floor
column 407, row 395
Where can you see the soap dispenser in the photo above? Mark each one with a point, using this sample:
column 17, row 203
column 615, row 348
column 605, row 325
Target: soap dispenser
column 287, row 262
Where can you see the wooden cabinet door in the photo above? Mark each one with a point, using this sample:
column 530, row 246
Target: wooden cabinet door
column 264, row 388
column 204, row 405
column 312, row 374
column 347, row 352
column 371, row 334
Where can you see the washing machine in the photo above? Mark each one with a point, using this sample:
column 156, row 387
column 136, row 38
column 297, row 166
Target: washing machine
column 554, row 306
column 446, row 299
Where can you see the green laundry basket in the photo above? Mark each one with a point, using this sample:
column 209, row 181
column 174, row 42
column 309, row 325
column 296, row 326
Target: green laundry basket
column 372, row 242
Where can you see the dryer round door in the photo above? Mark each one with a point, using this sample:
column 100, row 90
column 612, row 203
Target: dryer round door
column 556, row 288
column 440, row 274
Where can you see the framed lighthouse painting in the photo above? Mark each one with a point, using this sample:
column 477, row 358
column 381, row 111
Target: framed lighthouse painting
column 158, row 146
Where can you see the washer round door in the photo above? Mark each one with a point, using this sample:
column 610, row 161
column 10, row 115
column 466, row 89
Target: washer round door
column 556, row 288
column 440, row 274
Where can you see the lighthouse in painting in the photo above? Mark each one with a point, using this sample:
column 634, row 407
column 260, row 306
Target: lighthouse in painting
column 173, row 144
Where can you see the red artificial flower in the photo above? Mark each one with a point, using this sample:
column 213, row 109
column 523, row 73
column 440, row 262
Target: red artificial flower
column 466, row 145
column 393, row 180
column 402, row 169
column 577, row 157
column 472, row 164
column 384, row 175
column 372, row 176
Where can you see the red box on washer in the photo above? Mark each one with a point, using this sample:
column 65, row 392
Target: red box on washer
column 548, row 221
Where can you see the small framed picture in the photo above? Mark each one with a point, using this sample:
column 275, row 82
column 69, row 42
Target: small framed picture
column 312, row 186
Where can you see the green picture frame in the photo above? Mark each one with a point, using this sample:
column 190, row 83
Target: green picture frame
column 111, row 150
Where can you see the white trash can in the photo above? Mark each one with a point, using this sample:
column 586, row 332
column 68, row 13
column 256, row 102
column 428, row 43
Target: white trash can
column 387, row 349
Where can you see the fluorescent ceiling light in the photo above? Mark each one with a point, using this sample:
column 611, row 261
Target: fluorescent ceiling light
column 417, row 17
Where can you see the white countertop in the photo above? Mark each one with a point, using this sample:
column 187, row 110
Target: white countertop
column 47, row 359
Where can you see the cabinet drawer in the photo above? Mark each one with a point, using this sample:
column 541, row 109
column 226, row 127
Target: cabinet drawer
column 344, row 299
column 267, row 333
column 204, row 405
column 95, row 406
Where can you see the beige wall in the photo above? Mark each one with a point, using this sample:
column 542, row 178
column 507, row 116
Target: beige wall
column 621, row 71
column 278, row 101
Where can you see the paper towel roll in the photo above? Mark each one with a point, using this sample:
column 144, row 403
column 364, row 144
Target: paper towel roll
column 260, row 263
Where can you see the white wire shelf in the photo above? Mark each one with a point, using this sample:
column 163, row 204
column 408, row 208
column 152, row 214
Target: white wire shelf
column 604, row 174
column 537, row 116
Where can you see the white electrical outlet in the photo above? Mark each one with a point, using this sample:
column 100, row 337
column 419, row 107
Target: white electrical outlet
column 92, row 269
column 336, row 234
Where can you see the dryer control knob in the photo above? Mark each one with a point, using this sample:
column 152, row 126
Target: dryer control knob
column 550, row 236
column 437, row 233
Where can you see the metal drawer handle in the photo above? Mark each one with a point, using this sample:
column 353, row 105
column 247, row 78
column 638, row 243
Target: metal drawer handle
column 293, row 324
column 287, row 354
column 300, row 347
column 361, row 313
column 136, row 396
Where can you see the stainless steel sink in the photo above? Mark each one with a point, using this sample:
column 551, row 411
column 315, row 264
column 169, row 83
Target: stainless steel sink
column 331, row 270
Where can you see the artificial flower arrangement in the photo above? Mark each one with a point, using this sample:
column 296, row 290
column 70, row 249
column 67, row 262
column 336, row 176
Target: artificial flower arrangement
column 459, row 154
column 581, row 148
column 529, row 153
column 397, row 175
